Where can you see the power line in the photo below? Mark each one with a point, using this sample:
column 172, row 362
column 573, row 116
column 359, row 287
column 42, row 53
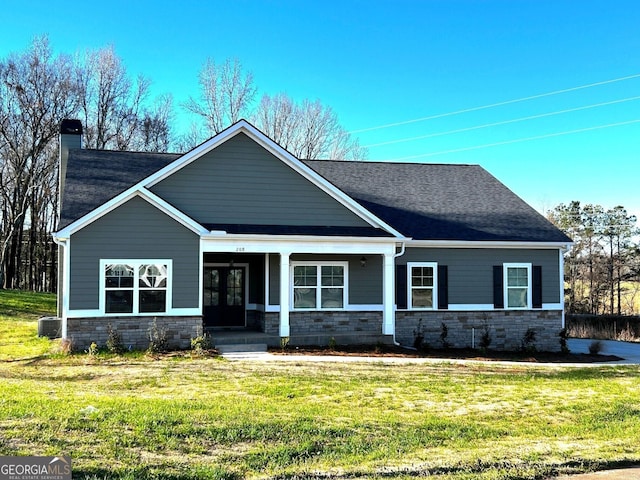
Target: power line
column 504, row 122
column 493, row 105
column 507, row 142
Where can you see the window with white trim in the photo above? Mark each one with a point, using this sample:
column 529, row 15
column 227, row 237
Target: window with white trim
column 423, row 285
column 135, row 286
column 319, row 286
column 517, row 285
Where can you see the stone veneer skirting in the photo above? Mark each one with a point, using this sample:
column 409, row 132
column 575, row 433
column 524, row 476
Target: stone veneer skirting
column 323, row 328
column 133, row 330
column 506, row 328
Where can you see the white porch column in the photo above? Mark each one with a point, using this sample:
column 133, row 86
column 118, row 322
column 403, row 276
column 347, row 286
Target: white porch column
column 388, row 295
column 284, row 294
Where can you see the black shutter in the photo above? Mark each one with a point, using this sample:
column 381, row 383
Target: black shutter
column 536, row 293
column 443, row 287
column 401, row 286
column 498, row 287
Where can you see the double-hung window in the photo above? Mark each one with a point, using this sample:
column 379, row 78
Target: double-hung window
column 319, row 286
column 517, row 285
column 423, row 284
column 135, row 286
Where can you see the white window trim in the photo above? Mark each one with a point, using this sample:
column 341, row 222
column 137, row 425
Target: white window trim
column 345, row 288
column 410, row 266
column 136, row 289
column 505, row 273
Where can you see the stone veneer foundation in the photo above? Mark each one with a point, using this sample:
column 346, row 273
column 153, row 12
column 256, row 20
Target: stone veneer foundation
column 506, row 328
column 133, row 330
column 323, row 328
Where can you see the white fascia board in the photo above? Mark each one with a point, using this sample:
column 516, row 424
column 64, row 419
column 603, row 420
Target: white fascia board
column 296, row 244
column 123, row 198
column 173, row 212
column 486, row 244
column 297, row 165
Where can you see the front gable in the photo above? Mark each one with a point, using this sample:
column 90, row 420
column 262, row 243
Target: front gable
column 240, row 182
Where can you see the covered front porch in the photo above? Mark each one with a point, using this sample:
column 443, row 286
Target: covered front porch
column 306, row 292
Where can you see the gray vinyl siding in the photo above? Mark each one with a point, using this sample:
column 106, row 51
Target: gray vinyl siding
column 136, row 230
column 471, row 270
column 365, row 283
column 239, row 182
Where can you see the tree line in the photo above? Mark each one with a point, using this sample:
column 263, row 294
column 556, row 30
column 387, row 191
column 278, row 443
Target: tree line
column 38, row 89
column 602, row 269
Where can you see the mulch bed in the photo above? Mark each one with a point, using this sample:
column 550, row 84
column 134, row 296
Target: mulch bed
column 453, row 353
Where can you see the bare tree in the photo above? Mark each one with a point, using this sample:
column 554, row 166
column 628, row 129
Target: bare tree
column 226, row 94
column 114, row 108
column 308, row 130
column 36, row 91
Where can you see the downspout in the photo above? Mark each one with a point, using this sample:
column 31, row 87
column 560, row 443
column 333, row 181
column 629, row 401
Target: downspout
column 62, row 308
column 396, row 255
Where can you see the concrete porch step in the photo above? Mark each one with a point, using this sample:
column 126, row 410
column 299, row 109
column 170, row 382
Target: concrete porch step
column 241, row 348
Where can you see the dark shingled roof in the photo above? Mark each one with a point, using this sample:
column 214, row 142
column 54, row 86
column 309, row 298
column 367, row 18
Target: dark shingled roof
column 422, row 201
column 96, row 176
column 440, row 202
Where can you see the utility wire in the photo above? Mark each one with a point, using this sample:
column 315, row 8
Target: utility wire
column 507, row 142
column 504, row 122
column 493, row 105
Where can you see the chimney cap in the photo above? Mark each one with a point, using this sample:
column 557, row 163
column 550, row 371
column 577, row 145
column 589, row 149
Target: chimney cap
column 71, row 127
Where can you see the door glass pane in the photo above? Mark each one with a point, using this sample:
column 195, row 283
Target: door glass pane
column 234, row 287
column 211, row 287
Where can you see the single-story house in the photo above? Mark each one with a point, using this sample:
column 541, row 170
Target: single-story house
column 238, row 234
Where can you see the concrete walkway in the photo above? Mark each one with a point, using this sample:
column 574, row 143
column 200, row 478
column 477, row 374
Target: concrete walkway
column 621, row 474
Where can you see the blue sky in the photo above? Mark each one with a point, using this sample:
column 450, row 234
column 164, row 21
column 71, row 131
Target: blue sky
column 383, row 62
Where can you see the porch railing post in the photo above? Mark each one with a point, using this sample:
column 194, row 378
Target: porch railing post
column 388, row 315
column 284, row 294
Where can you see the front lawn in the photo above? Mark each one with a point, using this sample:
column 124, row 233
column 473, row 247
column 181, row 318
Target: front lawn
column 179, row 417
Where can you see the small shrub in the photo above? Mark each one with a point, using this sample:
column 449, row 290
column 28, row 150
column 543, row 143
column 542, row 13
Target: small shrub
column 158, row 340
column 444, row 333
column 201, row 344
column 528, row 341
column 332, row 343
column 595, row 347
column 93, row 349
column 114, row 341
column 284, row 343
column 485, row 338
column 564, row 347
